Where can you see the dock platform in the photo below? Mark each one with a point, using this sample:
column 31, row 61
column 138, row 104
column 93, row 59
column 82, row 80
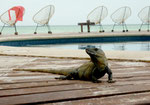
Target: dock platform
column 132, row 86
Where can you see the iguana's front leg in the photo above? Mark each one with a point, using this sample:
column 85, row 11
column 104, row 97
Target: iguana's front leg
column 109, row 72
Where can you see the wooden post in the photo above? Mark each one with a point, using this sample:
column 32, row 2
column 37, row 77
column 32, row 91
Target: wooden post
column 81, row 27
column 88, row 25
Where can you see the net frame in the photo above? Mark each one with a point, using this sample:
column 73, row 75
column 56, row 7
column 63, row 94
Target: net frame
column 51, row 7
column 12, row 21
column 123, row 19
column 144, row 17
column 100, row 18
column 8, row 21
column 44, row 22
column 101, row 15
column 147, row 15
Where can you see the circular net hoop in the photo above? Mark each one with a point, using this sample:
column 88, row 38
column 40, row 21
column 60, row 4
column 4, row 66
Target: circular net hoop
column 10, row 17
column 43, row 16
column 121, row 15
column 144, row 14
column 98, row 14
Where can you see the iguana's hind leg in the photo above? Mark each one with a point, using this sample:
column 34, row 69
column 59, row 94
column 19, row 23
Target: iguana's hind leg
column 72, row 75
column 64, row 77
column 94, row 78
column 61, row 78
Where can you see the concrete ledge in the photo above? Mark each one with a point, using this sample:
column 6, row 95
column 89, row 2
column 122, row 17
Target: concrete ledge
column 74, row 54
column 70, row 35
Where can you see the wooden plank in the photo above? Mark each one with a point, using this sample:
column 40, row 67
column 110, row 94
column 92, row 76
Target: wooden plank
column 45, row 89
column 129, row 99
column 35, row 84
column 34, row 81
column 123, row 79
column 33, row 88
column 26, row 80
column 22, row 75
column 71, row 95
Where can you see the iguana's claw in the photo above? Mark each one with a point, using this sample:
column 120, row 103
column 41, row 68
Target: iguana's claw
column 111, row 81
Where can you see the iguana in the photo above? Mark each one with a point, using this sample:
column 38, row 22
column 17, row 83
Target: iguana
column 96, row 68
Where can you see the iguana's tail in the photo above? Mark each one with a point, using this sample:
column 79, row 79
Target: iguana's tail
column 61, row 72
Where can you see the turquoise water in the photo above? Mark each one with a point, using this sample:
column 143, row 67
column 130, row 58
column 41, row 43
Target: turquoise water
column 65, row 28
column 129, row 46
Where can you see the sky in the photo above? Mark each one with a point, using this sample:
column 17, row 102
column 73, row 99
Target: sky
column 71, row 12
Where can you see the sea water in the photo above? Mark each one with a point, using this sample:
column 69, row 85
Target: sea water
column 128, row 46
column 66, row 28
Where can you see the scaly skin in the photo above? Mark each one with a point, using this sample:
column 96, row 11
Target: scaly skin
column 90, row 71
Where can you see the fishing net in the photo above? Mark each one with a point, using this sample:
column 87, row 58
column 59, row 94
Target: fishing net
column 43, row 16
column 97, row 15
column 121, row 14
column 144, row 15
column 11, row 16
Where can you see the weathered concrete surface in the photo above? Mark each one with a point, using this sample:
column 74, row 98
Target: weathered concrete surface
column 66, row 53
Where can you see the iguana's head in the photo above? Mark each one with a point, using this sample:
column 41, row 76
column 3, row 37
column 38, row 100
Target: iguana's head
column 97, row 57
column 95, row 52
